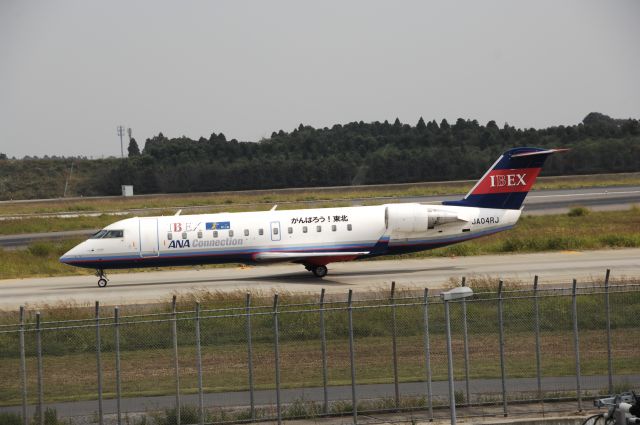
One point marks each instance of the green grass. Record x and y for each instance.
(149, 372)
(147, 351)
(593, 230)
(250, 200)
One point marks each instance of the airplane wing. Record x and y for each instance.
(275, 256)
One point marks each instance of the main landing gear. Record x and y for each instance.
(318, 271)
(102, 278)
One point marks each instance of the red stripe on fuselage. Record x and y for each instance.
(506, 181)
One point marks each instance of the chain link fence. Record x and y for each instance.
(517, 349)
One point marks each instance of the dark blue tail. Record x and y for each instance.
(508, 181)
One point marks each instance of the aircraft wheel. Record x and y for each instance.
(320, 271)
(102, 282)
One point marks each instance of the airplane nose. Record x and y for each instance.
(69, 256)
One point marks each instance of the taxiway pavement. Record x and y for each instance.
(158, 286)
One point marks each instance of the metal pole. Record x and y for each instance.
(576, 343)
(394, 331)
(40, 383)
(23, 368)
(608, 313)
(116, 318)
(354, 397)
(276, 338)
(250, 356)
(99, 364)
(536, 308)
(502, 365)
(199, 365)
(466, 345)
(427, 353)
(176, 365)
(452, 396)
(323, 339)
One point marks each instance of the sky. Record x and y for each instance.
(71, 71)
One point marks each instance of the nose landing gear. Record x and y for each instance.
(102, 278)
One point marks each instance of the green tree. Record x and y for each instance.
(421, 125)
(3, 156)
(133, 148)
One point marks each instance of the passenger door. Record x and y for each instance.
(149, 244)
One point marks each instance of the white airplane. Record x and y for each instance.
(316, 237)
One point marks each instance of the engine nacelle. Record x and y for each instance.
(415, 218)
(407, 218)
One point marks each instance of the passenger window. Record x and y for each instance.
(333, 227)
(184, 235)
(215, 233)
(318, 228)
(275, 230)
(290, 229)
(304, 229)
(349, 227)
(230, 233)
(260, 232)
(200, 235)
(246, 232)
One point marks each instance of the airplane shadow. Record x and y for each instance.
(302, 278)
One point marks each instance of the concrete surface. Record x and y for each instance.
(133, 288)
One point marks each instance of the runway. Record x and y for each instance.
(148, 287)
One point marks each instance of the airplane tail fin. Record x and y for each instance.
(507, 182)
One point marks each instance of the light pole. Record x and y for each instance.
(452, 295)
(121, 134)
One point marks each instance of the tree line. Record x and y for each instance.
(352, 154)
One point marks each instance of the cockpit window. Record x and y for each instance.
(99, 234)
(114, 234)
(108, 234)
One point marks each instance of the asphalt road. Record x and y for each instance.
(343, 392)
(361, 276)
(536, 203)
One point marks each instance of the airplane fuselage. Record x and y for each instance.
(269, 236)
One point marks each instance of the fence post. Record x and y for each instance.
(466, 345)
(536, 308)
(176, 365)
(116, 321)
(576, 343)
(608, 313)
(99, 364)
(323, 339)
(452, 394)
(23, 368)
(394, 344)
(199, 366)
(40, 383)
(250, 356)
(427, 352)
(502, 365)
(354, 397)
(276, 338)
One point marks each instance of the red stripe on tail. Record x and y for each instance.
(505, 181)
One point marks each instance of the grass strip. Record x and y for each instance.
(574, 231)
(249, 200)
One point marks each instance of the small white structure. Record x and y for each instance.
(127, 190)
